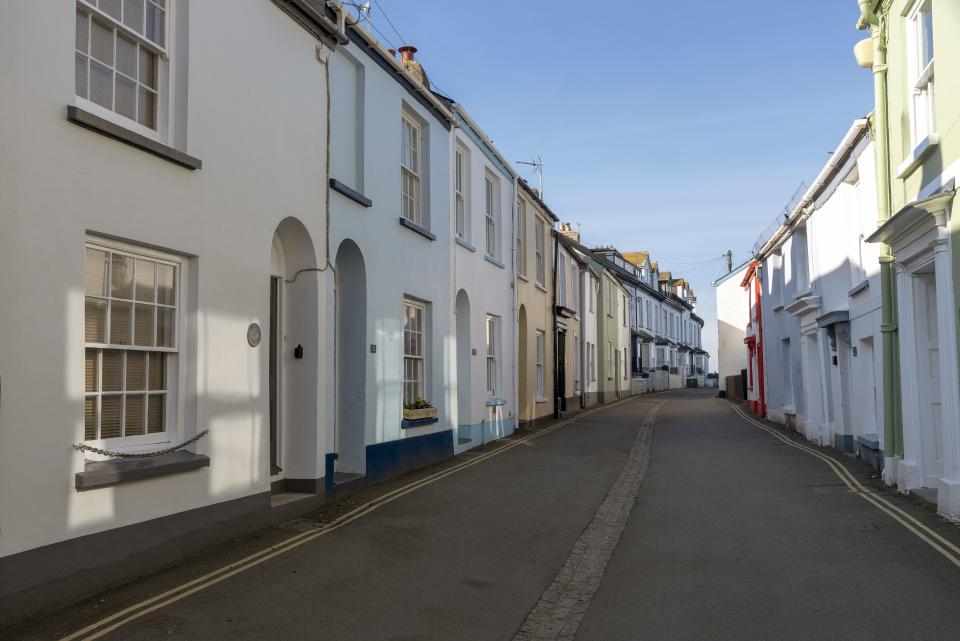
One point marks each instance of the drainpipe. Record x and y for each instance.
(515, 312)
(892, 419)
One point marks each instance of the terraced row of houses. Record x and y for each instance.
(228, 298)
(844, 324)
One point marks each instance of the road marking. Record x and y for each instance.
(97, 630)
(945, 547)
(562, 606)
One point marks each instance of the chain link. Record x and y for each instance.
(81, 447)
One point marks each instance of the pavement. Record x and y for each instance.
(664, 517)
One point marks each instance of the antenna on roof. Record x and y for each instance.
(537, 165)
(363, 10)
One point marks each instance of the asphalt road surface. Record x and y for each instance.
(667, 516)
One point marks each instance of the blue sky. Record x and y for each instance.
(681, 128)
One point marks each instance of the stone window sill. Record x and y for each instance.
(464, 244)
(109, 129)
(921, 151)
(97, 474)
(493, 261)
(350, 193)
(417, 229)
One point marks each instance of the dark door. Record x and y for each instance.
(562, 370)
(274, 379)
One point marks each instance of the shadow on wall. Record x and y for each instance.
(732, 354)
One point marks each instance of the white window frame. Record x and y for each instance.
(562, 283)
(411, 203)
(491, 210)
(609, 360)
(461, 181)
(921, 76)
(163, 53)
(625, 361)
(419, 381)
(623, 300)
(521, 237)
(576, 364)
(538, 230)
(592, 354)
(174, 361)
(593, 293)
(492, 327)
(540, 352)
(575, 280)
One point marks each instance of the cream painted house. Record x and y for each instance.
(535, 305)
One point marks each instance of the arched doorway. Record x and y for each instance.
(293, 352)
(524, 368)
(351, 360)
(464, 381)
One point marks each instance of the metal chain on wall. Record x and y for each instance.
(81, 447)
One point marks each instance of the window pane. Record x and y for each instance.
(121, 277)
(136, 370)
(110, 416)
(120, 322)
(155, 412)
(95, 272)
(148, 68)
(133, 14)
(110, 6)
(147, 108)
(90, 418)
(156, 372)
(145, 276)
(166, 285)
(90, 371)
(155, 24)
(101, 43)
(82, 31)
(127, 56)
(80, 75)
(101, 85)
(926, 25)
(95, 321)
(126, 97)
(166, 327)
(133, 415)
(143, 325)
(112, 370)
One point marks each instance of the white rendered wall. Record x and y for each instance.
(398, 262)
(263, 156)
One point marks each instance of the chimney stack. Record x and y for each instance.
(412, 66)
(567, 230)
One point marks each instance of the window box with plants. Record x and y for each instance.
(418, 413)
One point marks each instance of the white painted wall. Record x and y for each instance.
(255, 117)
(398, 261)
(488, 287)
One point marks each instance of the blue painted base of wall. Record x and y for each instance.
(404, 455)
(843, 442)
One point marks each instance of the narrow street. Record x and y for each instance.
(733, 535)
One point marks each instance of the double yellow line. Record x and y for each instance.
(110, 623)
(950, 551)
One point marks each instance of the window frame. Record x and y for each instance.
(421, 308)
(174, 359)
(491, 211)
(414, 172)
(492, 336)
(521, 237)
(921, 76)
(540, 356)
(164, 53)
(539, 251)
(461, 183)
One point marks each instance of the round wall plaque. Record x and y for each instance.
(254, 334)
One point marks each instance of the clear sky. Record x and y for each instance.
(680, 127)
